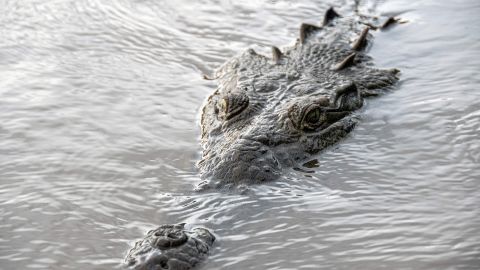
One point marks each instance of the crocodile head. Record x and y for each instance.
(271, 113)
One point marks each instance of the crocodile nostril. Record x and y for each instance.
(157, 263)
(164, 264)
(168, 238)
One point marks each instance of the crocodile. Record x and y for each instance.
(270, 113)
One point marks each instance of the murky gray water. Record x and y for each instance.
(99, 133)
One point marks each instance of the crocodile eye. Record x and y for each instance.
(222, 105)
(312, 116)
(232, 104)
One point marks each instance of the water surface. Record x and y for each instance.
(99, 109)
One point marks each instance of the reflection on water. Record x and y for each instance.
(99, 137)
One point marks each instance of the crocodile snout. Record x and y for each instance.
(246, 161)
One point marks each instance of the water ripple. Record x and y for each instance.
(99, 138)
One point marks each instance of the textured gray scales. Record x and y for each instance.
(172, 247)
(252, 124)
(269, 113)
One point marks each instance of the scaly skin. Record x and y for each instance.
(271, 113)
(170, 247)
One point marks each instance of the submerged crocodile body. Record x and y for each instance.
(271, 113)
